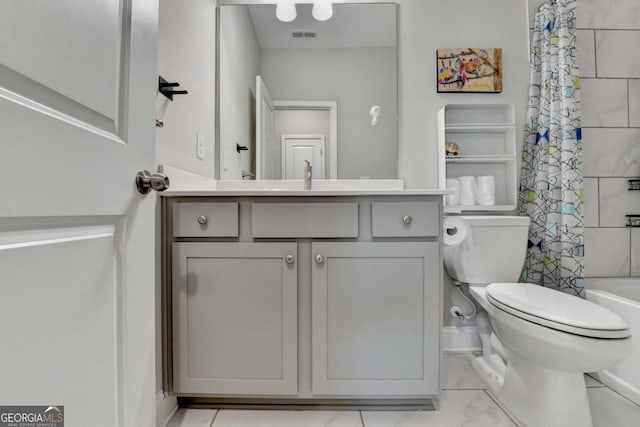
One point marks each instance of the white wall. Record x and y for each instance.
(355, 78)
(425, 26)
(301, 122)
(239, 66)
(186, 54)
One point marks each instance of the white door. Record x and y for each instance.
(77, 90)
(298, 148)
(265, 133)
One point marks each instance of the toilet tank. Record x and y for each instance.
(494, 250)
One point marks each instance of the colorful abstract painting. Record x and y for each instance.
(470, 69)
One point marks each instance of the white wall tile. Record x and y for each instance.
(614, 14)
(611, 152)
(634, 102)
(616, 201)
(591, 210)
(607, 252)
(604, 103)
(617, 53)
(586, 53)
(635, 252)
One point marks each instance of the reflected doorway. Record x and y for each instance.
(296, 149)
(310, 119)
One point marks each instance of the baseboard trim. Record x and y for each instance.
(166, 408)
(460, 339)
(399, 404)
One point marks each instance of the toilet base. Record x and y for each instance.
(488, 374)
(543, 381)
(540, 397)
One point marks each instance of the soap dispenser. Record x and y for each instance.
(307, 175)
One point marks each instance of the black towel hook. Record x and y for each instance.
(164, 87)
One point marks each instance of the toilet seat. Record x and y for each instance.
(557, 310)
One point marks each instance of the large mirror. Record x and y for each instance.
(321, 91)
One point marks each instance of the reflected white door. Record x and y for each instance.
(298, 148)
(77, 90)
(265, 133)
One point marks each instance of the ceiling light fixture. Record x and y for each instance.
(286, 10)
(322, 10)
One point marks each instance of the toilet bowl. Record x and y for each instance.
(537, 342)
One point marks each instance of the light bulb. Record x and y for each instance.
(286, 10)
(322, 10)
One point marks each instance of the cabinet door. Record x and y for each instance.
(376, 319)
(235, 318)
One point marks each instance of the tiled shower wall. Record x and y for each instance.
(609, 53)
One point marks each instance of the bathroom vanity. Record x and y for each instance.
(303, 297)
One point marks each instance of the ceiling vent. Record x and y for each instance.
(300, 35)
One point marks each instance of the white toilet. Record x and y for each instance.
(537, 342)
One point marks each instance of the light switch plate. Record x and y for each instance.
(200, 146)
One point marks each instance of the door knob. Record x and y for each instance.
(145, 182)
(290, 259)
(319, 259)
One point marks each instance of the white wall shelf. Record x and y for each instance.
(485, 135)
(482, 159)
(479, 127)
(478, 208)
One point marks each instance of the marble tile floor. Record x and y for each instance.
(464, 403)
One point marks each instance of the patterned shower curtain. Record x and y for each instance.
(551, 186)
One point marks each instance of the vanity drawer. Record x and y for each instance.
(274, 220)
(405, 219)
(205, 220)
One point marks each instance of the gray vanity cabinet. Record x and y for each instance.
(235, 318)
(304, 299)
(373, 306)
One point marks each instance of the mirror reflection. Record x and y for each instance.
(321, 91)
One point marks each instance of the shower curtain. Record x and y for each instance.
(551, 186)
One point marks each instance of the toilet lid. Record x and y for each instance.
(557, 310)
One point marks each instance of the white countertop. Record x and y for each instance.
(185, 183)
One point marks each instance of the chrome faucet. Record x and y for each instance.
(307, 175)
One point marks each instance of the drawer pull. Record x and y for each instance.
(407, 219)
(319, 259)
(290, 259)
(202, 220)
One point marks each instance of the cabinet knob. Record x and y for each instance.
(202, 220)
(290, 259)
(319, 258)
(407, 219)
